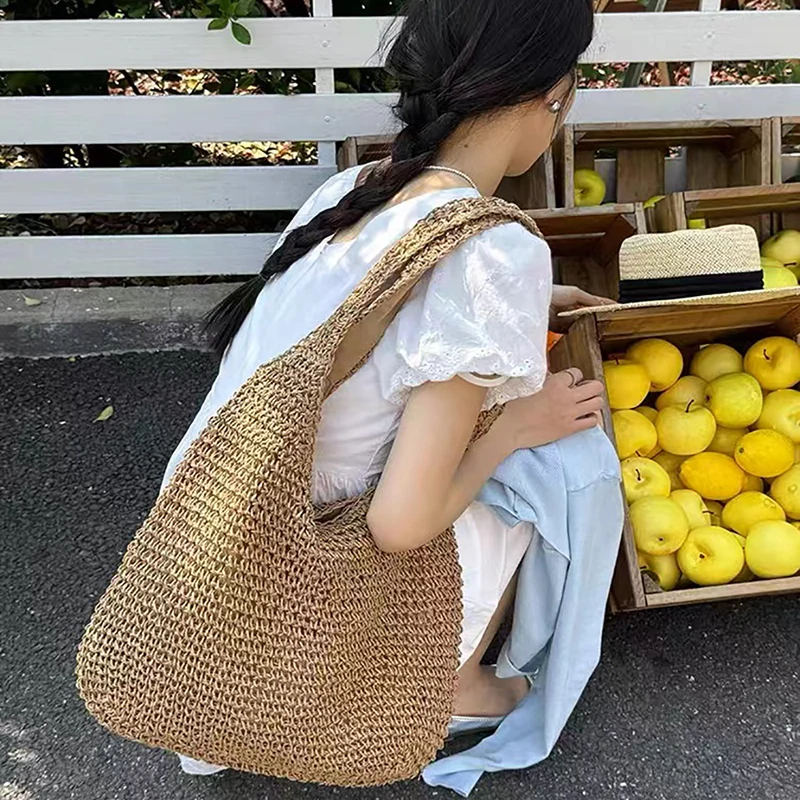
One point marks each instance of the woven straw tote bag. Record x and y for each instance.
(249, 628)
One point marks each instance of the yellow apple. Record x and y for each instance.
(710, 556)
(778, 278)
(744, 510)
(725, 439)
(590, 188)
(627, 383)
(633, 433)
(693, 506)
(652, 201)
(688, 389)
(764, 453)
(661, 359)
(659, 525)
(774, 362)
(685, 431)
(714, 512)
(771, 262)
(752, 483)
(643, 477)
(652, 415)
(785, 491)
(781, 412)
(715, 360)
(663, 568)
(699, 223)
(713, 476)
(745, 574)
(671, 463)
(773, 549)
(735, 400)
(784, 247)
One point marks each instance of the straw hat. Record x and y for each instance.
(709, 266)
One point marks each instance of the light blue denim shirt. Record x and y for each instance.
(570, 490)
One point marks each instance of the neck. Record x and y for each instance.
(480, 149)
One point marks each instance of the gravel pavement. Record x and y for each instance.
(699, 703)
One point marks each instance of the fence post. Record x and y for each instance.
(701, 70)
(324, 84)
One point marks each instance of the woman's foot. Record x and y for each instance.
(482, 694)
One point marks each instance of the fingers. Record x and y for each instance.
(579, 297)
(569, 377)
(584, 423)
(589, 406)
(588, 389)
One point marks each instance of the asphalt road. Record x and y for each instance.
(698, 703)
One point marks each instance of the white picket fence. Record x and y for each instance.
(323, 43)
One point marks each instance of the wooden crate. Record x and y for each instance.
(786, 158)
(596, 336)
(585, 243)
(768, 209)
(717, 154)
(535, 189)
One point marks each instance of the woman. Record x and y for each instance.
(484, 87)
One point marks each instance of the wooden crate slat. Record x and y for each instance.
(716, 203)
(731, 591)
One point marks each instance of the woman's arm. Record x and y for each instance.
(432, 474)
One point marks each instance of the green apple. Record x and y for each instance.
(693, 506)
(781, 413)
(688, 389)
(773, 549)
(715, 360)
(685, 431)
(783, 247)
(735, 399)
(778, 277)
(663, 568)
(590, 188)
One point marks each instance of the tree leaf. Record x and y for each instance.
(244, 7)
(31, 301)
(218, 24)
(240, 33)
(105, 414)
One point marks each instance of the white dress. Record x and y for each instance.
(483, 310)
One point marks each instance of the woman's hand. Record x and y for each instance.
(565, 405)
(570, 298)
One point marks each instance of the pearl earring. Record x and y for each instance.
(554, 107)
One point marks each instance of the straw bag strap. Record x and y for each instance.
(371, 307)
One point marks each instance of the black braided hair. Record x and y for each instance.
(453, 60)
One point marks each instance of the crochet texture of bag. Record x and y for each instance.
(249, 628)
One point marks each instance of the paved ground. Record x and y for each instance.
(693, 704)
